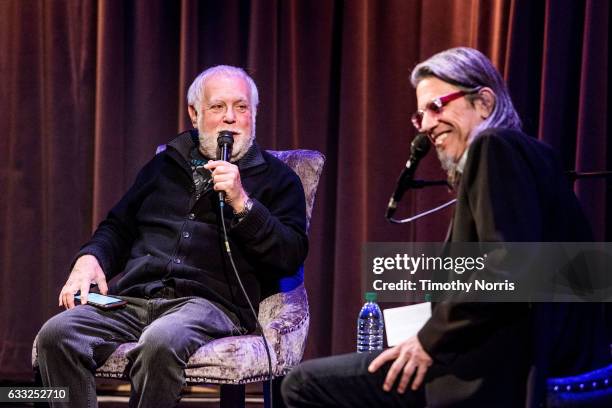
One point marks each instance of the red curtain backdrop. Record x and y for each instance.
(90, 88)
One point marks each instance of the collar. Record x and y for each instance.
(462, 160)
(252, 158)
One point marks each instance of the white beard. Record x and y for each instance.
(209, 146)
(447, 163)
(450, 166)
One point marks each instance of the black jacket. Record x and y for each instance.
(512, 190)
(160, 233)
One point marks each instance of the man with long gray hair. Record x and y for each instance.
(164, 238)
(509, 189)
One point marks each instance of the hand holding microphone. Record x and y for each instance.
(418, 149)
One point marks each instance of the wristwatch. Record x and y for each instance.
(247, 208)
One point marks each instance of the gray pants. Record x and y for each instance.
(72, 344)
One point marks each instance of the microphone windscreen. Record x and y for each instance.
(420, 146)
(225, 138)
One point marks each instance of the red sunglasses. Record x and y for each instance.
(436, 106)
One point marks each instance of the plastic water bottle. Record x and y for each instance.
(370, 326)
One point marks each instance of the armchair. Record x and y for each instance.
(233, 362)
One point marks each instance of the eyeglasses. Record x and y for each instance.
(436, 106)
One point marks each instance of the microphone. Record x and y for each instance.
(418, 149)
(225, 142)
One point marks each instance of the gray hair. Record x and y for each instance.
(469, 70)
(196, 89)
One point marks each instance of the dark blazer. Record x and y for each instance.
(511, 190)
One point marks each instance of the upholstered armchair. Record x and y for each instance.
(233, 362)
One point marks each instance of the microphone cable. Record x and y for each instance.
(422, 214)
(246, 296)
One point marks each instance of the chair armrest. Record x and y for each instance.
(285, 320)
(284, 312)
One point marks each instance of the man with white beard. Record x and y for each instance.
(163, 236)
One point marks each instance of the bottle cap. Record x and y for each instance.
(370, 296)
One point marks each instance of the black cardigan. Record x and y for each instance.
(160, 234)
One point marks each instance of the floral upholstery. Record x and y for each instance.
(284, 317)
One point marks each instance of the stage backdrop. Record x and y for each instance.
(89, 88)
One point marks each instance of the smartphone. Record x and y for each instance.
(103, 301)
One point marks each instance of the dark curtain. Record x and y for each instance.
(90, 88)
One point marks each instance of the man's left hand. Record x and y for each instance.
(410, 358)
(226, 177)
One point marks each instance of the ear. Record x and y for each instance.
(485, 102)
(193, 115)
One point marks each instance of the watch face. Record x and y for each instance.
(247, 207)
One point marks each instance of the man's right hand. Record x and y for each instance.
(409, 358)
(86, 271)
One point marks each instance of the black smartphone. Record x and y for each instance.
(103, 301)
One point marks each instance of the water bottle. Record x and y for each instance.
(370, 326)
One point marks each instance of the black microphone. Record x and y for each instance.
(418, 149)
(225, 141)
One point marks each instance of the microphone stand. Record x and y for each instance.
(415, 184)
(579, 175)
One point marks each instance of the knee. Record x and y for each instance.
(291, 387)
(52, 335)
(154, 349)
